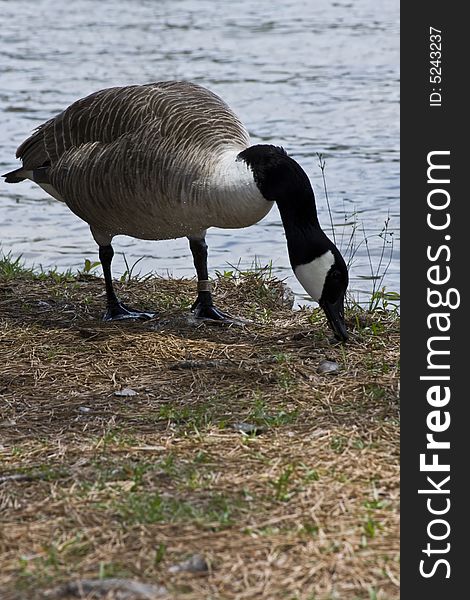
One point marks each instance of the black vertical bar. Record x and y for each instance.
(435, 260)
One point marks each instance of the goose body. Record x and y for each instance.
(153, 161)
(171, 159)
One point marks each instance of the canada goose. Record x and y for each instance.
(171, 159)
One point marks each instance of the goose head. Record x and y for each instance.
(316, 261)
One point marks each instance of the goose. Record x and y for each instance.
(170, 159)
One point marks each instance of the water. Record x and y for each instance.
(315, 76)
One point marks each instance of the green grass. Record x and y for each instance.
(263, 414)
(192, 418)
(107, 570)
(375, 391)
(370, 527)
(218, 510)
(283, 485)
(380, 299)
(13, 268)
(293, 478)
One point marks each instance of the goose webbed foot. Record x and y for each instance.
(205, 311)
(121, 312)
(209, 312)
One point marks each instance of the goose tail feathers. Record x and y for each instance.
(15, 176)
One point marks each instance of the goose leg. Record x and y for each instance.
(204, 307)
(116, 310)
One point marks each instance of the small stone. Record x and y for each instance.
(121, 589)
(248, 428)
(84, 409)
(328, 366)
(195, 564)
(125, 392)
(42, 304)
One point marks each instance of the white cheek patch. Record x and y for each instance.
(312, 275)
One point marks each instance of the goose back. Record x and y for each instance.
(146, 161)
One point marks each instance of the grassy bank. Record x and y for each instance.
(123, 455)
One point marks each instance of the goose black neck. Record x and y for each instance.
(305, 238)
(282, 180)
(298, 213)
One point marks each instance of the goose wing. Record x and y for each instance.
(137, 159)
(175, 111)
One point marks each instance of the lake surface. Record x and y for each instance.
(314, 76)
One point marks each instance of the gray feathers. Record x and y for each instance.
(139, 159)
(174, 109)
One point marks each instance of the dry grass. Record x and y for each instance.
(95, 485)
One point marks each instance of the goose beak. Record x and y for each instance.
(335, 314)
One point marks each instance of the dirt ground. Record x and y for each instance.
(204, 461)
